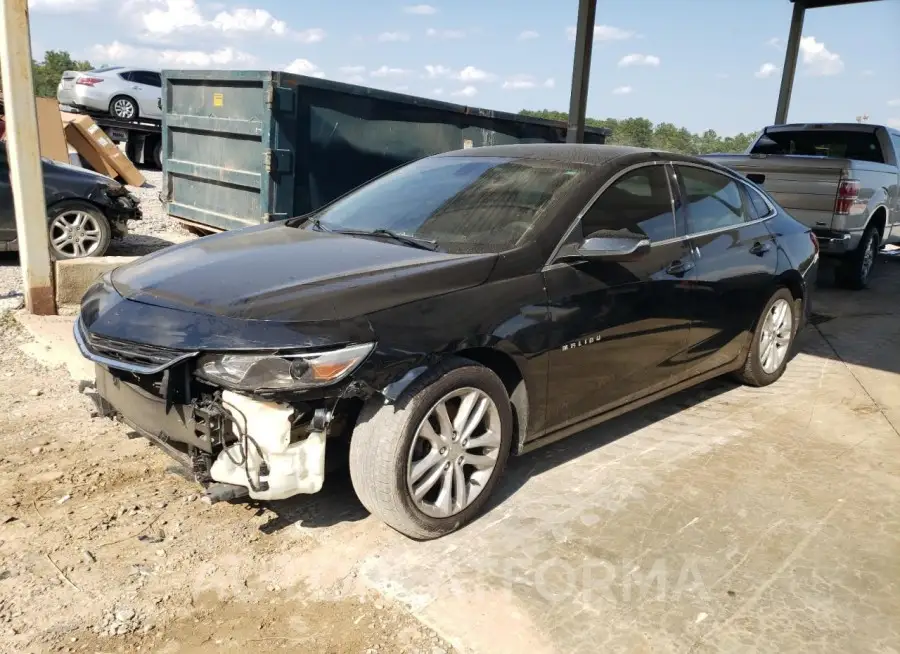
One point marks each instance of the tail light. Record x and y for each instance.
(848, 193)
(88, 81)
(815, 241)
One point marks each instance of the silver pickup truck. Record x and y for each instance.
(841, 179)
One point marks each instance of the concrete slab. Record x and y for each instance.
(723, 519)
(74, 276)
(54, 345)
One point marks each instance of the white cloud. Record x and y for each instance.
(520, 83)
(304, 67)
(386, 71)
(622, 90)
(868, 73)
(438, 92)
(120, 53)
(604, 33)
(392, 37)
(400, 89)
(466, 92)
(894, 103)
(352, 70)
(766, 70)
(312, 35)
(420, 10)
(549, 83)
(472, 74)
(248, 20)
(437, 71)
(200, 59)
(174, 16)
(817, 59)
(528, 34)
(62, 6)
(639, 60)
(445, 34)
(163, 18)
(775, 42)
(894, 122)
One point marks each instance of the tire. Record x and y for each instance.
(123, 107)
(386, 443)
(754, 372)
(856, 271)
(63, 220)
(157, 154)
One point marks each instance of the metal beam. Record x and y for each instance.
(25, 157)
(581, 70)
(790, 63)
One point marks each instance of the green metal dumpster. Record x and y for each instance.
(246, 147)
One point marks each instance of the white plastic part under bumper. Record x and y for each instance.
(291, 468)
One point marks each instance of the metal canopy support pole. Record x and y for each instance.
(581, 70)
(790, 63)
(25, 157)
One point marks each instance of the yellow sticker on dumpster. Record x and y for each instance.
(218, 99)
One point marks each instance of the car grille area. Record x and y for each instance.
(126, 355)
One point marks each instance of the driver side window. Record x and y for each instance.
(638, 202)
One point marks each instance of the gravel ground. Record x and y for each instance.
(154, 231)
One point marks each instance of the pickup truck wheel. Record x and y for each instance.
(77, 229)
(772, 341)
(427, 464)
(856, 271)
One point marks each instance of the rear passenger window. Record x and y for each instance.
(639, 202)
(713, 200)
(758, 207)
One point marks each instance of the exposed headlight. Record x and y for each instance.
(267, 372)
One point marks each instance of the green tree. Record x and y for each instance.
(641, 132)
(48, 72)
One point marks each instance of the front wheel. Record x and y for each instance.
(772, 341)
(77, 229)
(427, 464)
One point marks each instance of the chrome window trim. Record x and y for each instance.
(590, 203)
(121, 365)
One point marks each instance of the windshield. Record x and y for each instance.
(832, 143)
(466, 205)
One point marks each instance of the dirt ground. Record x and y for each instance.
(103, 551)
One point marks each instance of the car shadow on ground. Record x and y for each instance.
(136, 245)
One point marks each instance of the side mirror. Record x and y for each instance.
(611, 246)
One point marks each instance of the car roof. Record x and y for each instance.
(566, 152)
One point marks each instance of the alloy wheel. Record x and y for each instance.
(454, 452)
(123, 108)
(868, 260)
(775, 340)
(75, 234)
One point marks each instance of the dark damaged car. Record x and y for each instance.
(460, 308)
(85, 210)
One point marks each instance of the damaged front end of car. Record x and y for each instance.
(243, 422)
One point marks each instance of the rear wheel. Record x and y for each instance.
(123, 107)
(427, 464)
(772, 341)
(856, 271)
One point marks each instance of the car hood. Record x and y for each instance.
(281, 273)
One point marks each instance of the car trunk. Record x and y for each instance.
(806, 186)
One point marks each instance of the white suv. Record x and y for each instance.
(126, 93)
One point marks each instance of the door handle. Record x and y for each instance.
(760, 249)
(679, 267)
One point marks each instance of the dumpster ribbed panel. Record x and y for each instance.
(246, 147)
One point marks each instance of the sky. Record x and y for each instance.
(700, 64)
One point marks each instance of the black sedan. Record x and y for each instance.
(464, 306)
(85, 210)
